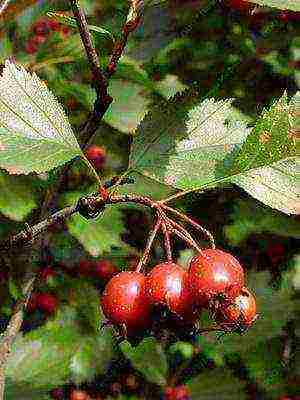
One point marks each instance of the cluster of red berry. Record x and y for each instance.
(214, 280)
(42, 30)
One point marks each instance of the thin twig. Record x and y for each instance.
(186, 239)
(147, 250)
(133, 21)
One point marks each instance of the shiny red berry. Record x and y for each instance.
(215, 275)
(239, 315)
(47, 302)
(124, 302)
(96, 155)
(167, 284)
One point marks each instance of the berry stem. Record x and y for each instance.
(167, 242)
(191, 222)
(147, 250)
(90, 166)
(186, 238)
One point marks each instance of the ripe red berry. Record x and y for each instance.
(31, 47)
(104, 270)
(177, 393)
(239, 315)
(96, 155)
(32, 304)
(38, 39)
(167, 284)
(85, 267)
(215, 275)
(41, 27)
(124, 302)
(47, 302)
(79, 395)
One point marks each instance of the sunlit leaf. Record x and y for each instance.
(293, 5)
(35, 134)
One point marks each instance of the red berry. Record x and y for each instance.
(215, 275)
(31, 47)
(104, 270)
(239, 315)
(241, 5)
(41, 27)
(177, 393)
(167, 285)
(57, 394)
(85, 267)
(54, 25)
(79, 395)
(39, 39)
(47, 273)
(96, 155)
(124, 303)
(47, 302)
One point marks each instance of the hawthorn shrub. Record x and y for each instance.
(149, 200)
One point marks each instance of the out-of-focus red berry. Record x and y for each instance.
(240, 5)
(39, 39)
(65, 30)
(47, 302)
(54, 25)
(47, 273)
(276, 252)
(177, 393)
(79, 395)
(105, 270)
(85, 268)
(57, 394)
(31, 47)
(41, 27)
(96, 155)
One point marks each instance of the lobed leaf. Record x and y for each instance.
(293, 5)
(35, 134)
(209, 144)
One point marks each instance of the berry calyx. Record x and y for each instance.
(167, 285)
(215, 275)
(96, 155)
(239, 315)
(124, 302)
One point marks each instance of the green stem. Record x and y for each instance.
(91, 168)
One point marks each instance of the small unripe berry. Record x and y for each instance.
(96, 155)
(124, 303)
(215, 275)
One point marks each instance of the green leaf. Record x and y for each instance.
(249, 218)
(17, 196)
(276, 185)
(211, 144)
(129, 106)
(96, 235)
(35, 135)
(281, 4)
(70, 21)
(217, 384)
(149, 359)
(57, 352)
(183, 147)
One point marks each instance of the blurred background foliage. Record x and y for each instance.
(179, 43)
